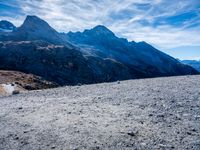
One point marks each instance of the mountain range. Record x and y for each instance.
(92, 56)
(193, 63)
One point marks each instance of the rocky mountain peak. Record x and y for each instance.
(35, 22)
(6, 25)
(35, 28)
(100, 30)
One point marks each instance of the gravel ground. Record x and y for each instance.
(160, 113)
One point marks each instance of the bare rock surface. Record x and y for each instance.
(160, 113)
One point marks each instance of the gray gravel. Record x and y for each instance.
(160, 113)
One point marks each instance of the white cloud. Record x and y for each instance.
(77, 15)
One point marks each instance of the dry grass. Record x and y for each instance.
(2, 91)
(26, 81)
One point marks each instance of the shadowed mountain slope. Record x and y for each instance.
(141, 56)
(59, 63)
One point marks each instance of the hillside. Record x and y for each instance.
(159, 113)
(59, 64)
(15, 80)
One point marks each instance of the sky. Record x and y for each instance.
(172, 26)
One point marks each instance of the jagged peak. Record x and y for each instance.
(100, 29)
(34, 20)
(103, 29)
(32, 17)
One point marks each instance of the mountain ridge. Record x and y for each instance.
(92, 56)
(130, 53)
(6, 26)
(34, 28)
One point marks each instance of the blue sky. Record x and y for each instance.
(170, 25)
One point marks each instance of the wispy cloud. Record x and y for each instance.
(163, 23)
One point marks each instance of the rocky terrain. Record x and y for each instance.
(159, 113)
(14, 80)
